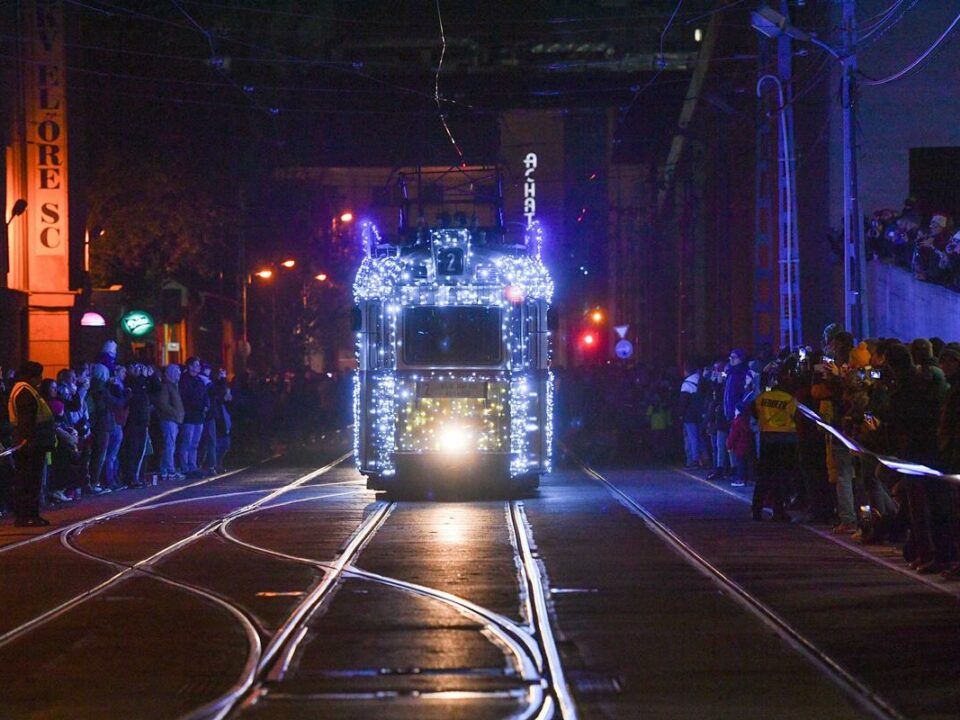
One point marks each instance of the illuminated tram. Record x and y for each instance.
(453, 383)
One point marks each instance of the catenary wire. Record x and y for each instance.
(903, 72)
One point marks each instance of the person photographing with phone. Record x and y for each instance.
(829, 378)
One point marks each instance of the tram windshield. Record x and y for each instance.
(451, 336)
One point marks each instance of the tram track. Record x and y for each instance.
(532, 647)
(860, 693)
(125, 571)
(529, 646)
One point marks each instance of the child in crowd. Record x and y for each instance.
(741, 443)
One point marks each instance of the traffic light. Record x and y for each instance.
(588, 340)
(596, 316)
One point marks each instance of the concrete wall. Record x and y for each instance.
(905, 308)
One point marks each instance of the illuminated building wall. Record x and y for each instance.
(36, 162)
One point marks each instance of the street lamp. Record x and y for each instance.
(18, 209)
(771, 23)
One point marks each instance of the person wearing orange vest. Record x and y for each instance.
(776, 411)
(28, 411)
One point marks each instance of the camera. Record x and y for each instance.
(874, 374)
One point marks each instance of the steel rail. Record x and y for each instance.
(284, 651)
(862, 694)
(116, 512)
(516, 639)
(541, 615)
(148, 562)
(948, 589)
(246, 621)
(220, 496)
(279, 652)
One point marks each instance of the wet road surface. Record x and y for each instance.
(288, 590)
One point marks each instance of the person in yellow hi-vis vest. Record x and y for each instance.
(33, 425)
(776, 411)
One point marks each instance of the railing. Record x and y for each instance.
(11, 451)
(900, 466)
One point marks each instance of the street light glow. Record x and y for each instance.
(289, 263)
(265, 274)
(346, 217)
(322, 277)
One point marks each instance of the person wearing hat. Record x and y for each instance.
(930, 261)
(829, 333)
(950, 363)
(860, 356)
(108, 356)
(30, 415)
(735, 389)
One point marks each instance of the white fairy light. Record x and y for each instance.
(398, 419)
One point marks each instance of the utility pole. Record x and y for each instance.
(854, 297)
(788, 262)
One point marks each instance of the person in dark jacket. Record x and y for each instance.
(27, 412)
(169, 414)
(108, 356)
(104, 398)
(220, 400)
(690, 409)
(193, 394)
(910, 417)
(142, 384)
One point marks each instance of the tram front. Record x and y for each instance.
(453, 385)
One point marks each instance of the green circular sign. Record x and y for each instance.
(137, 323)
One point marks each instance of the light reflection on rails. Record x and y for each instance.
(862, 694)
(145, 568)
(532, 647)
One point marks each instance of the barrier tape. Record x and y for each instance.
(896, 464)
(11, 451)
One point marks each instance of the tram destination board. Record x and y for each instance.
(452, 389)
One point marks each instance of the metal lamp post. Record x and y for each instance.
(771, 23)
(19, 207)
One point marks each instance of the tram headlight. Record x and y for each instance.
(513, 293)
(454, 440)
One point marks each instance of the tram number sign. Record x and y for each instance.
(450, 261)
(452, 390)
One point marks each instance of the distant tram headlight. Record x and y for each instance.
(454, 440)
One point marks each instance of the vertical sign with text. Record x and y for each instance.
(529, 188)
(46, 136)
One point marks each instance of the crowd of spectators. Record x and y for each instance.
(120, 426)
(931, 250)
(740, 419)
(612, 414)
(885, 398)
